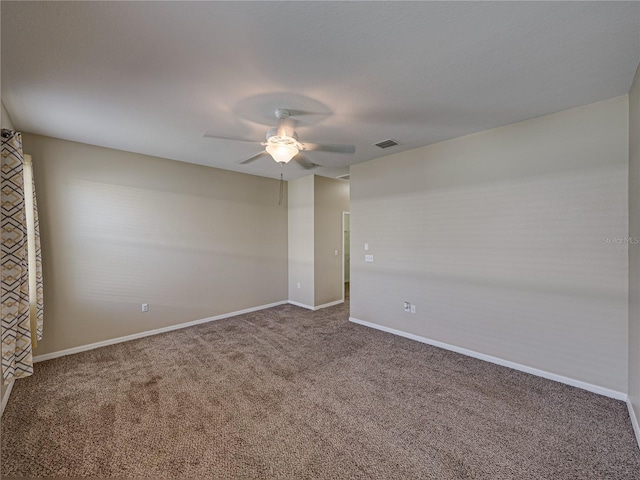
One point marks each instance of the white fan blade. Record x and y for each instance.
(233, 139)
(255, 157)
(315, 147)
(302, 113)
(304, 162)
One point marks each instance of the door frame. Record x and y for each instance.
(344, 213)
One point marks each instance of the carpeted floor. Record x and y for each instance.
(293, 394)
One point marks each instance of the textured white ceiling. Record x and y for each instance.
(153, 77)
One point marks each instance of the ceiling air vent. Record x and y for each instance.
(387, 143)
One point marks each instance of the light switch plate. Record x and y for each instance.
(368, 258)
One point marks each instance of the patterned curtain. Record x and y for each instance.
(19, 232)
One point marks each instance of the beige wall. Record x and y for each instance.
(6, 119)
(331, 199)
(634, 248)
(120, 229)
(301, 240)
(498, 238)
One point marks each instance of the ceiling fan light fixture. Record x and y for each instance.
(283, 146)
(282, 152)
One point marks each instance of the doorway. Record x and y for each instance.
(346, 260)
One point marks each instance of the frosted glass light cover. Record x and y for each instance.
(282, 153)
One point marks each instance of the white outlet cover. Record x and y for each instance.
(413, 309)
(366, 247)
(368, 258)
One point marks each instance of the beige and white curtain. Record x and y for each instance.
(21, 279)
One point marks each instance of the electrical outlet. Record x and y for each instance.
(368, 258)
(145, 307)
(298, 284)
(413, 309)
(407, 307)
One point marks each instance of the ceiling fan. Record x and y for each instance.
(283, 145)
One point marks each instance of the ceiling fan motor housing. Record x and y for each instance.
(273, 137)
(282, 113)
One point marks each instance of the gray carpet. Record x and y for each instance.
(292, 394)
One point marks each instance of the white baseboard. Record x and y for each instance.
(330, 304)
(634, 421)
(309, 307)
(112, 341)
(5, 397)
(302, 305)
(499, 361)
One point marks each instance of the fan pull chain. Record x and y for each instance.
(281, 185)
